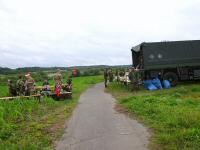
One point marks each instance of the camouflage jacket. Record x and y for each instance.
(58, 78)
(20, 84)
(30, 83)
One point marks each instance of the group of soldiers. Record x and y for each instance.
(27, 87)
(22, 87)
(132, 75)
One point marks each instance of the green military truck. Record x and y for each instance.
(173, 60)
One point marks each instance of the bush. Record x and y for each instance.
(40, 76)
(91, 72)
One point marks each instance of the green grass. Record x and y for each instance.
(28, 124)
(173, 115)
(3, 91)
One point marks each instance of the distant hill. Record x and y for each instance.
(4, 70)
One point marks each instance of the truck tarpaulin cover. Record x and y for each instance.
(167, 54)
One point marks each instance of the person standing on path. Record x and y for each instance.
(105, 77)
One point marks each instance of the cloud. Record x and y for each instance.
(89, 32)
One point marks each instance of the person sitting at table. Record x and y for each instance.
(69, 84)
(46, 90)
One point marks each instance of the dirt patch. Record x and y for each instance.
(56, 130)
(56, 127)
(119, 108)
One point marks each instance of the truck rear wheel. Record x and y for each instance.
(172, 77)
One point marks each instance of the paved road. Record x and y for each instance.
(95, 125)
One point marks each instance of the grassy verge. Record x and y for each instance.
(173, 115)
(28, 124)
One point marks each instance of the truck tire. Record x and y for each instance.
(172, 77)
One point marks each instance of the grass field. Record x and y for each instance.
(173, 115)
(3, 90)
(30, 125)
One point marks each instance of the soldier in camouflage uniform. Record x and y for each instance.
(11, 88)
(117, 75)
(121, 73)
(29, 85)
(20, 86)
(111, 77)
(58, 78)
(137, 78)
(134, 77)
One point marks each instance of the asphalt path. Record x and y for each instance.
(96, 125)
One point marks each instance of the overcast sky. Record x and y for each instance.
(89, 32)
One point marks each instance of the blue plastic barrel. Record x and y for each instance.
(166, 84)
(152, 87)
(156, 82)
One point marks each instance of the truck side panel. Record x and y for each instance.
(171, 54)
